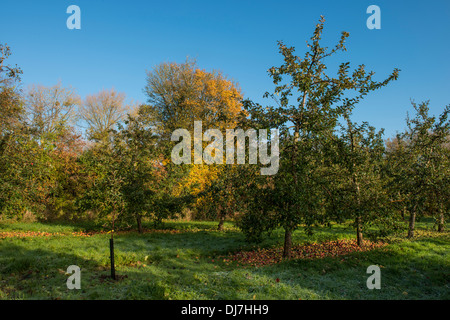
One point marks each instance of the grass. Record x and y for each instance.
(187, 262)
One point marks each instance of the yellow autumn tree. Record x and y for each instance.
(181, 93)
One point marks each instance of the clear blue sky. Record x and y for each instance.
(120, 40)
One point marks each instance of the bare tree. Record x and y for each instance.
(102, 111)
(48, 109)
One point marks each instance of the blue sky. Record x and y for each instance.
(120, 40)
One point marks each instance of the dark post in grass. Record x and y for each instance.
(111, 254)
(111, 249)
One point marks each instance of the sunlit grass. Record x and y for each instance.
(189, 265)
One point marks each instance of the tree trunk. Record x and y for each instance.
(359, 235)
(441, 219)
(412, 222)
(287, 244)
(221, 222)
(288, 230)
(139, 222)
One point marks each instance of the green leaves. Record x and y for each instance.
(316, 163)
(419, 163)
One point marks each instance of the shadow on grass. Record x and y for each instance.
(183, 266)
(40, 273)
(412, 270)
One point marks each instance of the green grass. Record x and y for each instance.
(185, 265)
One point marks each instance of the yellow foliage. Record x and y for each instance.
(200, 176)
(183, 93)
